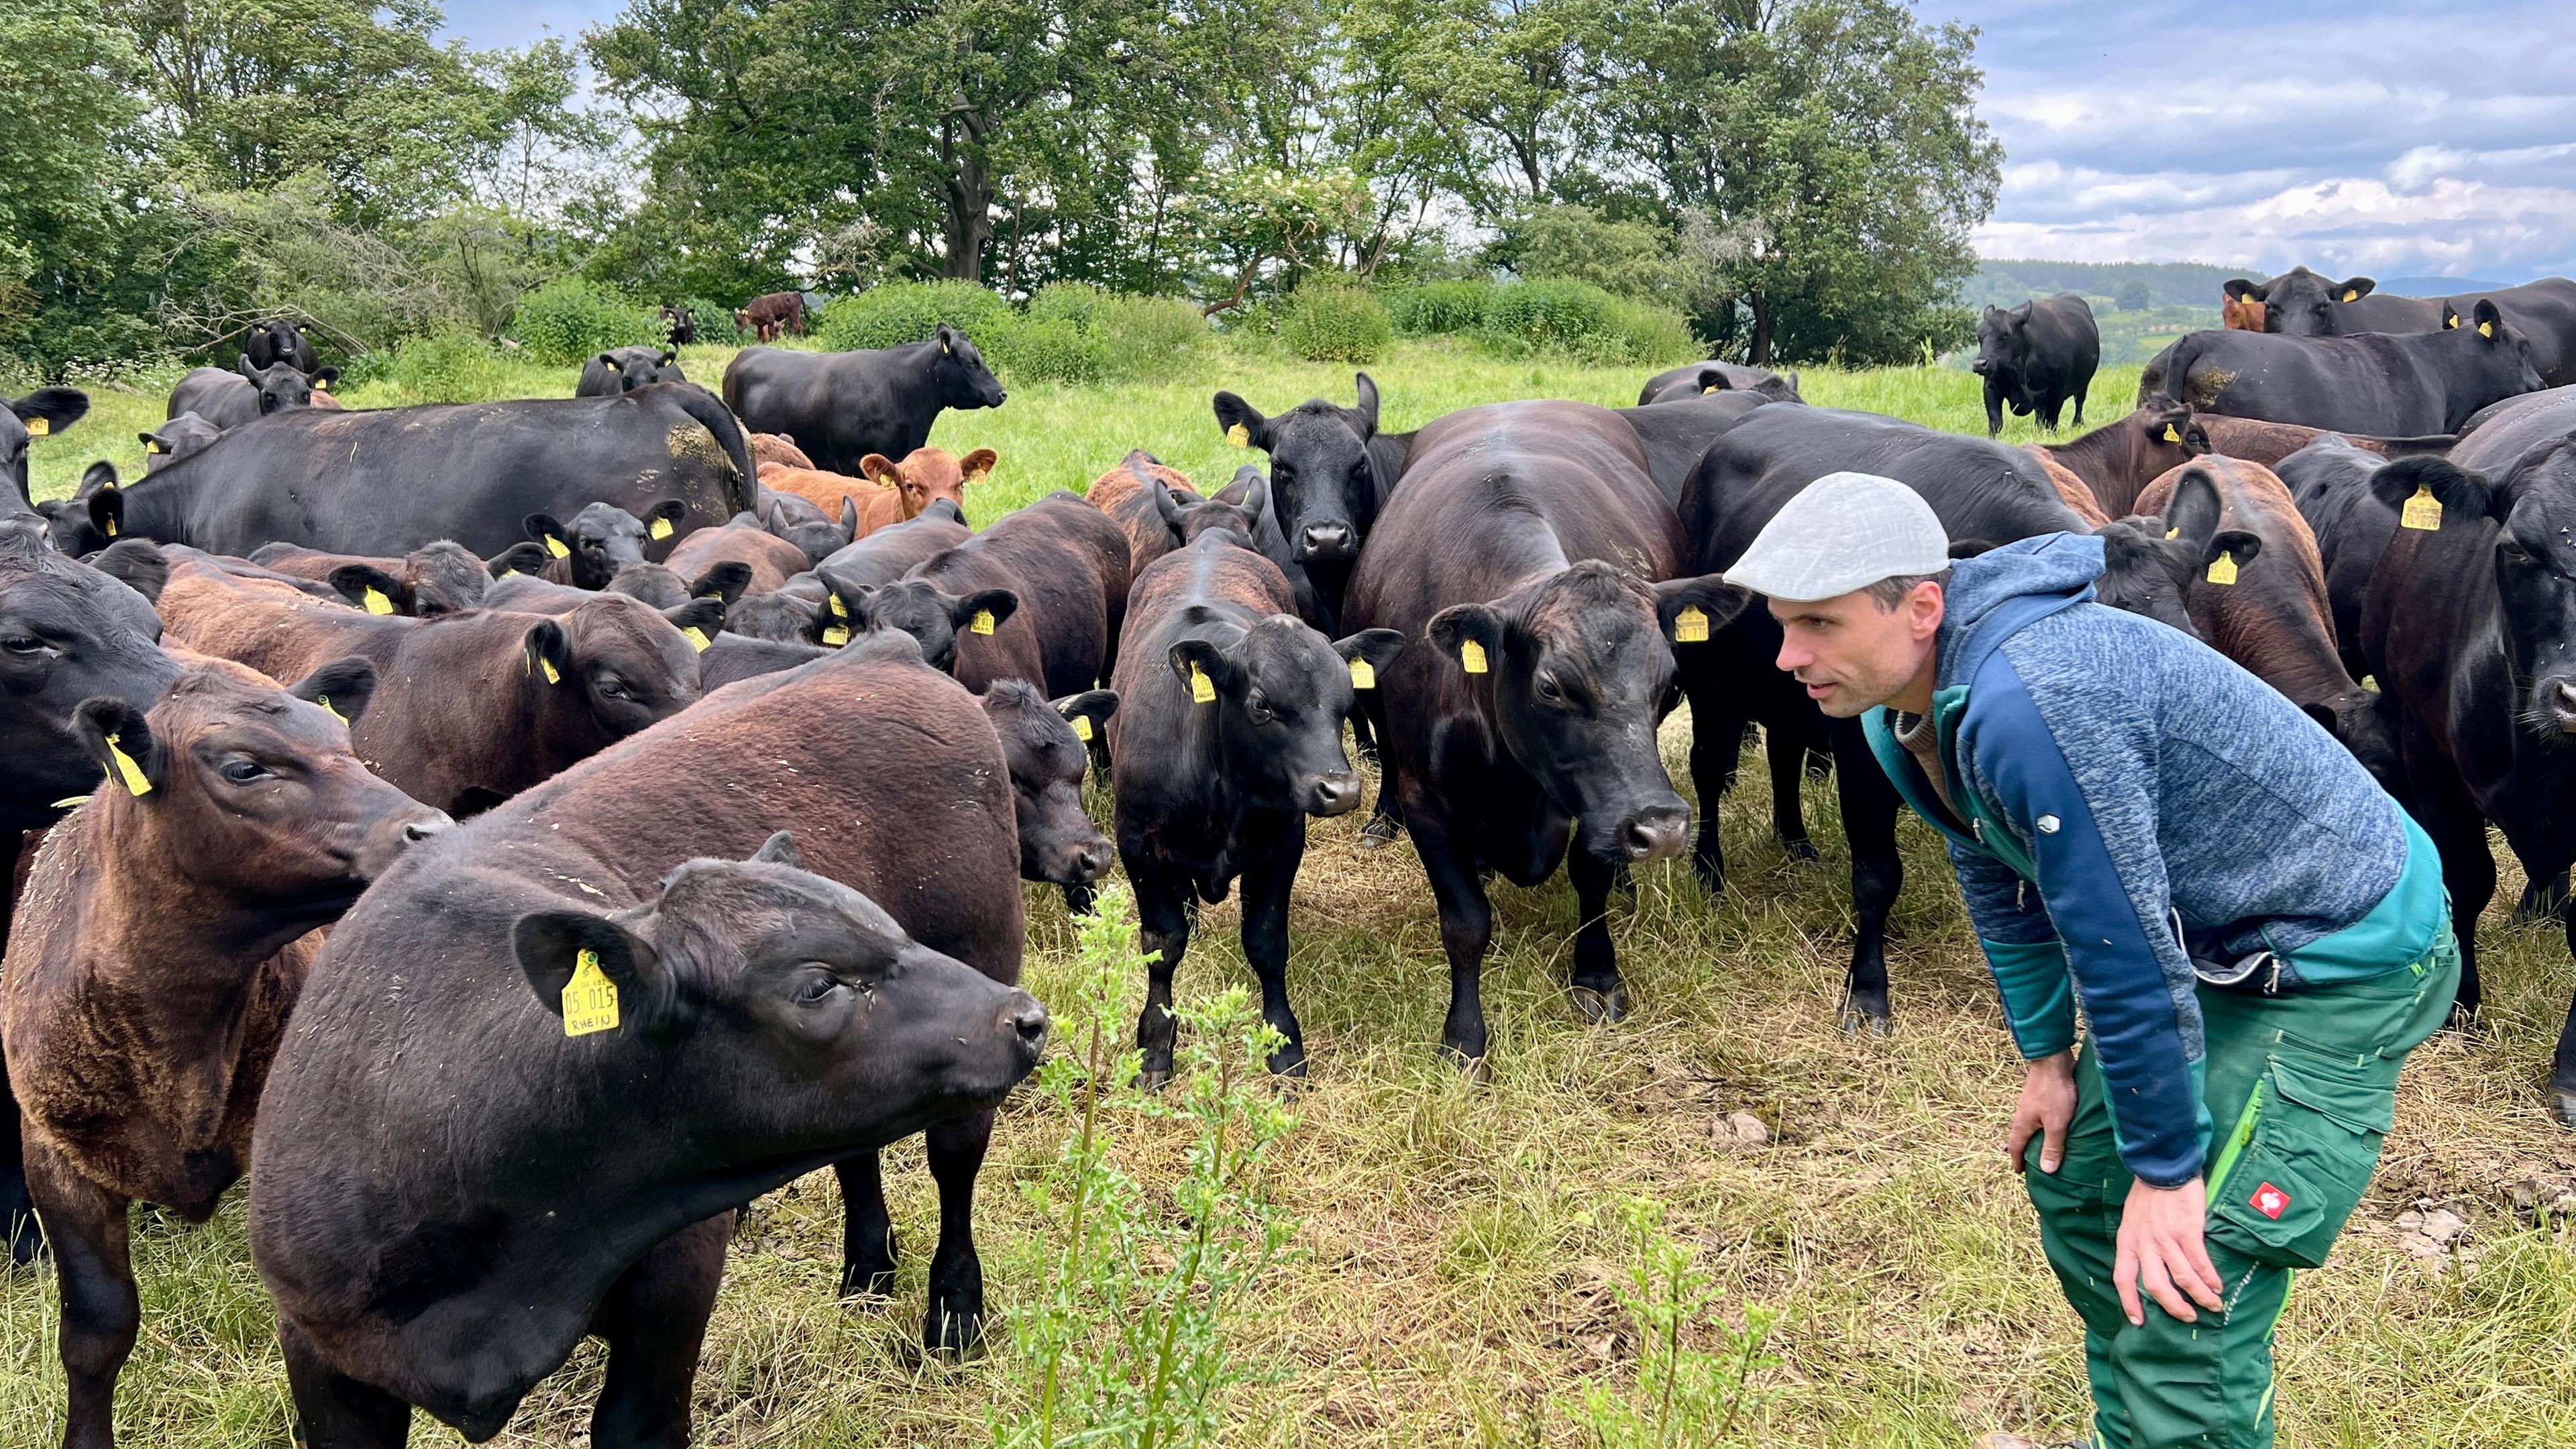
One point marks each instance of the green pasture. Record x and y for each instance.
(1451, 1280)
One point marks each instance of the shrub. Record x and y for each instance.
(1581, 320)
(1334, 321)
(1150, 337)
(1439, 308)
(569, 318)
(901, 312)
(449, 365)
(1044, 349)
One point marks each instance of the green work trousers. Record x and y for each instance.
(2301, 1088)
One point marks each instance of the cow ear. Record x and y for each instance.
(136, 563)
(1000, 603)
(700, 620)
(57, 407)
(2450, 316)
(2233, 543)
(551, 945)
(1367, 407)
(723, 582)
(2020, 315)
(669, 357)
(2461, 492)
(547, 530)
(373, 589)
(107, 511)
(342, 686)
(323, 377)
(1455, 628)
(549, 651)
(1970, 547)
(947, 340)
(100, 474)
(2239, 290)
(1717, 601)
(518, 558)
(2489, 319)
(1095, 705)
(1254, 495)
(121, 742)
(662, 522)
(1194, 659)
(778, 849)
(2191, 514)
(1376, 648)
(2353, 289)
(850, 520)
(878, 468)
(1712, 380)
(1165, 505)
(1241, 422)
(979, 464)
(244, 367)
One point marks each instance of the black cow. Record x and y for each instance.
(1331, 470)
(45, 411)
(230, 399)
(2329, 481)
(2301, 303)
(383, 481)
(1980, 490)
(604, 540)
(2379, 383)
(1048, 748)
(2470, 627)
(842, 406)
(278, 340)
(1228, 738)
(624, 369)
(1520, 559)
(1714, 376)
(2036, 356)
(175, 439)
(680, 325)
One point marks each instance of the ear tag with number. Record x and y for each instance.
(697, 638)
(1082, 728)
(2172, 433)
(151, 445)
(839, 609)
(128, 771)
(983, 622)
(1239, 435)
(2351, 294)
(1690, 626)
(1202, 689)
(2175, 532)
(558, 547)
(39, 427)
(376, 601)
(661, 528)
(1707, 390)
(2486, 329)
(2422, 511)
(1363, 674)
(835, 636)
(111, 527)
(1471, 656)
(2222, 569)
(589, 998)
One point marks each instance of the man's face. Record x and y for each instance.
(1851, 652)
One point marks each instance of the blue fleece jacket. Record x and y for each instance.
(2107, 769)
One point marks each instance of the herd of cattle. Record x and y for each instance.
(752, 740)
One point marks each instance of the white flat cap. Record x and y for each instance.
(1844, 531)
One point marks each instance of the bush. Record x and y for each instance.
(1044, 349)
(449, 365)
(1437, 309)
(1150, 337)
(569, 318)
(902, 312)
(1581, 320)
(1334, 321)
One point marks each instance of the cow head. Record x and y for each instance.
(282, 386)
(89, 520)
(436, 579)
(813, 532)
(2362, 721)
(253, 792)
(45, 411)
(959, 377)
(929, 474)
(275, 340)
(912, 606)
(782, 615)
(1046, 755)
(1282, 691)
(2166, 435)
(634, 367)
(604, 539)
(1575, 674)
(1193, 518)
(796, 1016)
(620, 662)
(1322, 487)
(528, 558)
(175, 439)
(776, 448)
(2150, 565)
(2498, 361)
(2300, 303)
(2240, 314)
(2003, 351)
(68, 632)
(2528, 515)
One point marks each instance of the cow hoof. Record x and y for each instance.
(1801, 851)
(1857, 1021)
(1602, 1008)
(1379, 832)
(1475, 1071)
(951, 1334)
(863, 1283)
(1152, 1080)
(1289, 1061)
(2567, 1109)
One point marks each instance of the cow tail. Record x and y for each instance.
(718, 419)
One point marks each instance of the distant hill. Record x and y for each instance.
(2169, 284)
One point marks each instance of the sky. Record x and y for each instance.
(2374, 138)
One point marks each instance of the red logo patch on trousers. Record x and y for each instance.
(2270, 1201)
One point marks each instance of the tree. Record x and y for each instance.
(1495, 90)
(2133, 296)
(1831, 154)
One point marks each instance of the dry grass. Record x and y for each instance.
(1450, 1285)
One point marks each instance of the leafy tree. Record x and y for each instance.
(1629, 258)
(1494, 92)
(66, 181)
(2133, 296)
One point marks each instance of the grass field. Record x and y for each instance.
(1450, 1282)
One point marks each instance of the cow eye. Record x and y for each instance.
(245, 772)
(614, 687)
(1548, 690)
(816, 987)
(1257, 707)
(23, 644)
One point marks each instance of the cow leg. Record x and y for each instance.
(1870, 806)
(17, 1210)
(1466, 929)
(1598, 992)
(1717, 742)
(1163, 930)
(1386, 819)
(655, 1321)
(2081, 388)
(1266, 880)
(954, 1323)
(2459, 832)
(2543, 898)
(333, 1410)
(867, 1228)
(86, 1224)
(1787, 753)
(2562, 1076)
(1994, 409)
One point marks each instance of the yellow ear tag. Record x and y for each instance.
(983, 622)
(2486, 329)
(507, 574)
(2222, 569)
(1706, 390)
(111, 528)
(661, 528)
(839, 609)
(978, 476)
(2422, 511)
(697, 637)
(2172, 433)
(835, 636)
(1202, 689)
(128, 771)
(71, 803)
(377, 603)
(2351, 294)
(321, 384)
(39, 427)
(557, 547)
(1239, 435)
(610, 363)
(1690, 626)
(2173, 533)
(2451, 321)
(151, 446)
(325, 702)
(1363, 674)
(1082, 728)
(589, 998)
(549, 666)
(1471, 656)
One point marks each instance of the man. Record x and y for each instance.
(2257, 935)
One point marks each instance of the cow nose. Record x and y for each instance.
(1090, 863)
(1327, 539)
(2563, 700)
(1656, 833)
(435, 822)
(1026, 1021)
(1334, 794)
(1978, 367)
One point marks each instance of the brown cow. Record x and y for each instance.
(890, 492)
(2243, 314)
(770, 315)
(2077, 493)
(475, 707)
(776, 448)
(772, 560)
(155, 955)
(438, 578)
(1126, 494)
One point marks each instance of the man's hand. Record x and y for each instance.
(2160, 1245)
(2047, 1106)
